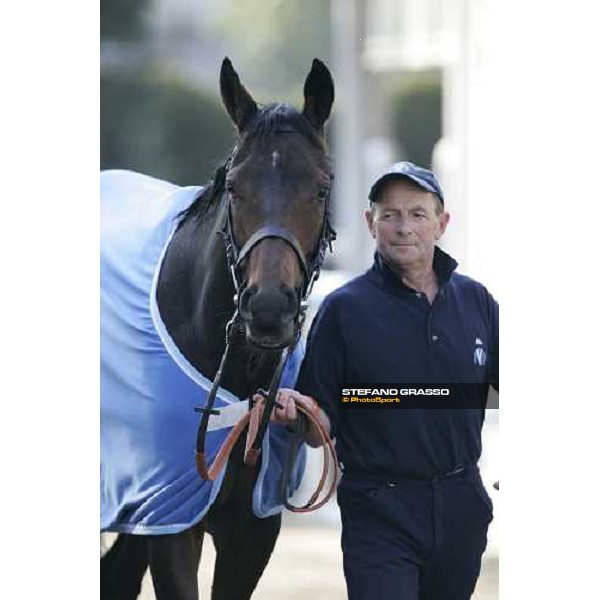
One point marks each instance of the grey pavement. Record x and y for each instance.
(307, 565)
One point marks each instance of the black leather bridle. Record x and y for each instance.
(235, 259)
(310, 270)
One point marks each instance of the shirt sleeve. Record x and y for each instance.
(494, 375)
(322, 370)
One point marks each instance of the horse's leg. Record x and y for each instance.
(243, 542)
(122, 568)
(174, 561)
(242, 558)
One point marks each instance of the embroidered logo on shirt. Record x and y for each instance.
(479, 356)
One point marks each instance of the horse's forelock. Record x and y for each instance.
(281, 118)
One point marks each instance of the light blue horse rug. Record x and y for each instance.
(148, 478)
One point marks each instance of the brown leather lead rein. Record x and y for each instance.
(254, 439)
(306, 418)
(257, 422)
(252, 419)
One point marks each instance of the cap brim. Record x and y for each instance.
(376, 187)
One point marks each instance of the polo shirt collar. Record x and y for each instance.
(443, 265)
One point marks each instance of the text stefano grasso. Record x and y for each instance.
(397, 392)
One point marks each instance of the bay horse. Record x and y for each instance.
(269, 198)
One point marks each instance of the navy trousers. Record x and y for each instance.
(414, 539)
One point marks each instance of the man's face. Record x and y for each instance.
(406, 224)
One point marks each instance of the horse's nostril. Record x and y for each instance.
(246, 300)
(292, 299)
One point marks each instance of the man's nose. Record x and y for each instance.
(403, 227)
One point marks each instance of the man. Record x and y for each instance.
(414, 511)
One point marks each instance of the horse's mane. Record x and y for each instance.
(270, 119)
(209, 196)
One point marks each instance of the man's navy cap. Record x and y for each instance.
(422, 177)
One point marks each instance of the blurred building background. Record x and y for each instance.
(409, 78)
(407, 75)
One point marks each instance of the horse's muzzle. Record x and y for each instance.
(269, 313)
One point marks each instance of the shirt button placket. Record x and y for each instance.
(432, 338)
(429, 332)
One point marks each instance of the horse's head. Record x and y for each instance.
(278, 184)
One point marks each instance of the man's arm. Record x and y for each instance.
(494, 369)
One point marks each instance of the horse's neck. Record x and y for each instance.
(195, 299)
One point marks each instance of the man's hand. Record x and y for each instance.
(286, 413)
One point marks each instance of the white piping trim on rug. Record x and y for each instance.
(181, 361)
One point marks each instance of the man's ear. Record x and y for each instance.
(443, 221)
(370, 218)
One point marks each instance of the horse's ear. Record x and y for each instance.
(238, 102)
(318, 94)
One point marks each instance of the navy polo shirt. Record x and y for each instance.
(375, 330)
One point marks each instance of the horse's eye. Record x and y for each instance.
(323, 193)
(230, 188)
